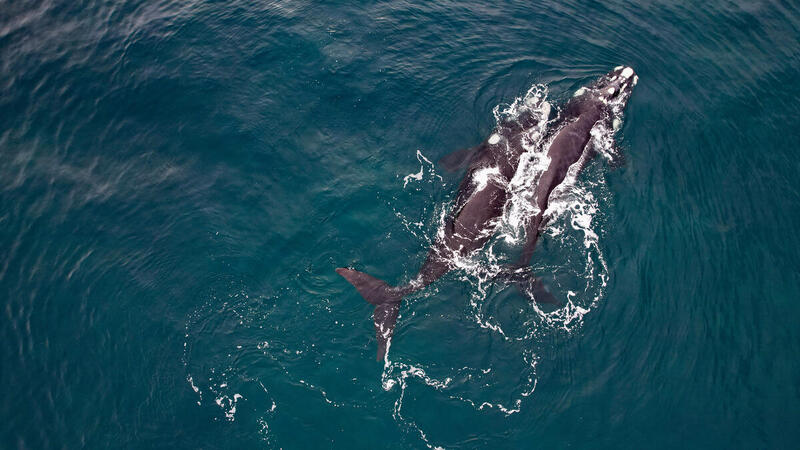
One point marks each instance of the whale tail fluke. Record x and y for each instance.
(385, 298)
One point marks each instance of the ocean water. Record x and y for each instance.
(179, 180)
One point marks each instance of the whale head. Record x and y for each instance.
(615, 87)
(607, 96)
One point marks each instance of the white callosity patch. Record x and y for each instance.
(627, 72)
(494, 139)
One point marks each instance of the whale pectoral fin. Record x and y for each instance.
(459, 159)
(532, 237)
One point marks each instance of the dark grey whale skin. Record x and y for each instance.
(471, 223)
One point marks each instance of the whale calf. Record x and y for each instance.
(483, 192)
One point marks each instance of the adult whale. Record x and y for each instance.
(483, 192)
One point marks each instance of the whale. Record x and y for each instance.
(483, 192)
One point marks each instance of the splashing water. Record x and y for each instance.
(573, 267)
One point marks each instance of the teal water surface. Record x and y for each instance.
(179, 180)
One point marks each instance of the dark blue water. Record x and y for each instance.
(178, 181)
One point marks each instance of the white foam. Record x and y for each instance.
(482, 176)
(228, 405)
(195, 388)
(423, 161)
(545, 114)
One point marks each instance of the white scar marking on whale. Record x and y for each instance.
(627, 72)
(494, 139)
